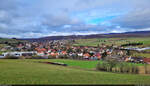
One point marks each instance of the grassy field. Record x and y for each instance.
(147, 50)
(75, 63)
(147, 55)
(80, 63)
(110, 41)
(31, 72)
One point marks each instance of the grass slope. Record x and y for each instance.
(32, 72)
(74, 63)
(110, 41)
(147, 55)
(77, 63)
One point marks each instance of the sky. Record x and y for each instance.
(40, 18)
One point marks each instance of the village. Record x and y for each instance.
(63, 49)
(73, 42)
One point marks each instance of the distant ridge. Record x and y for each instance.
(109, 35)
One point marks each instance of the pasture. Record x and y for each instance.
(114, 41)
(136, 54)
(30, 71)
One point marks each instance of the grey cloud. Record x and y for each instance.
(8, 4)
(60, 20)
(137, 19)
(24, 18)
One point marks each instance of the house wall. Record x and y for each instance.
(18, 53)
(1, 57)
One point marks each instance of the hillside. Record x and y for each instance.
(110, 35)
(7, 41)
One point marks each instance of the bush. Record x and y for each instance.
(22, 57)
(63, 57)
(120, 67)
(102, 66)
(111, 63)
(127, 68)
(51, 57)
(29, 57)
(147, 69)
(36, 57)
(134, 69)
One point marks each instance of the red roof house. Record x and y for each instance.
(146, 60)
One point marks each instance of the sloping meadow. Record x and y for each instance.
(32, 72)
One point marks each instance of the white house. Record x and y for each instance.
(19, 54)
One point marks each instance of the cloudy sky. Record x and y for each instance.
(40, 18)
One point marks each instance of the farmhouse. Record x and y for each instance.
(86, 55)
(41, 52)
(146, 60)
(98, 55)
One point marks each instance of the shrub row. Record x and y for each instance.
(132, 44)
(147, 69)
(120, 67)
(11, 57)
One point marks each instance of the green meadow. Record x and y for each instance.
(147, 55)
(30, 71)
(115, 41)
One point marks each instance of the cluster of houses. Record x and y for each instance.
(62, 49)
